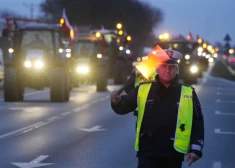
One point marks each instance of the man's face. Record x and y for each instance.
(167, 72)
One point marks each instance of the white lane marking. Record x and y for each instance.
(15, 108)
(33, 163)
(84, 106)
(103, 98)
(76, 110)
(31, 93)
(72, 98)
(52, 118)
(226, 94)
(217, 165)
(227, 89)
(218, 131)
(222, 113)
(22, 129)
(93, 129)
(221, 79)
(107, 97)
(96, 101)
(223, 101)
(66, 113)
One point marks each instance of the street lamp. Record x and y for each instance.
(209, 47)
(212, 50)
(120, 32)
(199, 41)
(128, 38)
(119, 26)
(231, 51)
(204, 45)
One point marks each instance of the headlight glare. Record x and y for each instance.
(27, 64)
(38, 64)
(211, 59)
(82, 69)
(10, 50)
(68, 55)
(194, 69)
(187, 57)
(99, 55)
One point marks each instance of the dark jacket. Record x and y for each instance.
(160, 117)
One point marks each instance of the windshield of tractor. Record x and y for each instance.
(37, 43)
(37, 39)
(85, 49)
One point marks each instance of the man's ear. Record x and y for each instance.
(157, 70)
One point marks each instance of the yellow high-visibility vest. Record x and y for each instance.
(184, 121)
(140, 78)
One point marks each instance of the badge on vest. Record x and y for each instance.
(188, 97)
(150, 79)
(182, 127)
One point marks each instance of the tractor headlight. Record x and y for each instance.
(193, 69)
(38, 64)
(128, 51)
(187, 57)
(27, 64)
(61, 50)
(68, 55)
(68, 50)
(99, 55)
(82, 69)
(211, 59)
(10, 50)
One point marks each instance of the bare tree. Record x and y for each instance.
(138, 19)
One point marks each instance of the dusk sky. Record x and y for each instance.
(211, 19)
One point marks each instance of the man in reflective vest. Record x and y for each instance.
(170, 124)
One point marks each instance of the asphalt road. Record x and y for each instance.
(85, 133)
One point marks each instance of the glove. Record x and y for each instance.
(115, 98)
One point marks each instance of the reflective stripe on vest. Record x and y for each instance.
(139, 78)
(184, 121)
(142, 98)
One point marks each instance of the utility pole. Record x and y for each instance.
(30, 6)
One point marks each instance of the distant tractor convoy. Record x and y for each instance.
(56, 56)
(51, 55)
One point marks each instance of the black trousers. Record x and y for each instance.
(152, 162)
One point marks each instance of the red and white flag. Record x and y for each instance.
(66, 21)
